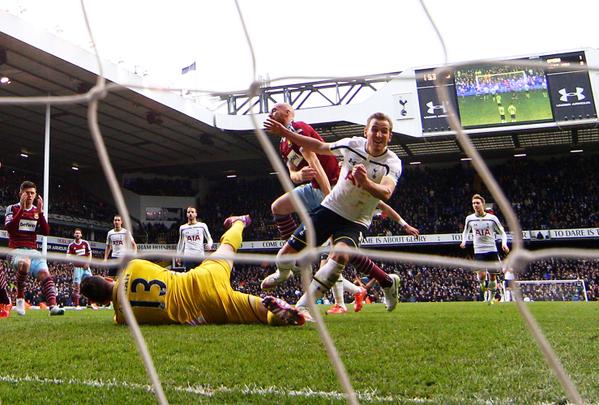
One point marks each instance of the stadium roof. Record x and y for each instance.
(161, 132)
(139, 132)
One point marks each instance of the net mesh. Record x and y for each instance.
(519, 258)
(553, 290)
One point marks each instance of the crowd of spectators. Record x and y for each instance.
(550, 194)
(62, 273)
(419, 283)
(156, 232)
(432, 283)
(67, 197)
(546, 194)
(561, 269)
(237, 196)
(554, 193)
(498, 79)
(160, 186)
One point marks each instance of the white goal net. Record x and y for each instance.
(553, 290)
(520, 256)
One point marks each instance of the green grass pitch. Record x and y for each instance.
(482, 110)
(426, 353)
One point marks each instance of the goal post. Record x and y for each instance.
(553, 290)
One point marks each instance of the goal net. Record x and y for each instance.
(519, 256)
(553, 290)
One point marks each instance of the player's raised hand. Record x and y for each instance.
(274, 127)
(23, 199)
(40, 203)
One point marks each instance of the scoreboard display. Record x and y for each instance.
(496, 95)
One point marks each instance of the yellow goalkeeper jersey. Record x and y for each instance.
(202, 295)
(149, 290)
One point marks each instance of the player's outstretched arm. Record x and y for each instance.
(107, 251)
(464, 235)
(394, 215)
(311, 144)
(208, 237)
(133, 244)
(320, 175)
(181, 242)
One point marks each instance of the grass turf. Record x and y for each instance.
(421, 353)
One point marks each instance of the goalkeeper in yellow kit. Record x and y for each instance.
(201, 296)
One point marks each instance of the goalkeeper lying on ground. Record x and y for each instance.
(201, 296)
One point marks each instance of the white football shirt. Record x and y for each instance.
(191, 239)
(346, 198)
(484, 232)
(120, 242)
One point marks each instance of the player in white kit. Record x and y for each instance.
(192, 237)
(509, 279)
(369, 173)
(118, 241)
(485, 227)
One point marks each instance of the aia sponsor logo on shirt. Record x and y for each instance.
(482, 232)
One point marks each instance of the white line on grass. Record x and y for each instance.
(205, 390)
(370, 395)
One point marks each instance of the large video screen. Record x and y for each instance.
(498, 95)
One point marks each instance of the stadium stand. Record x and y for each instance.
(160, 186)
(436, 200)
(419, 283)
(433, 199)
(70, 205)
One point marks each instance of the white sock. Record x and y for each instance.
(350, 287)
(284, 267)
(322, 282)
(338, 292)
